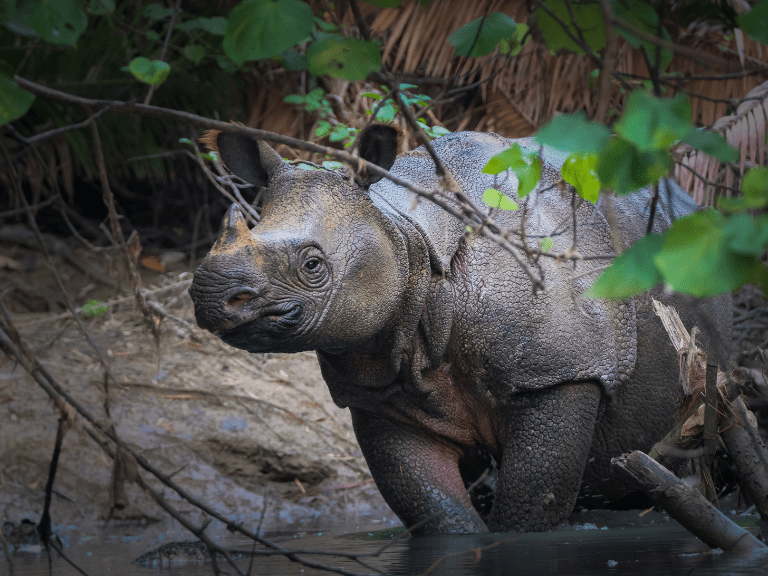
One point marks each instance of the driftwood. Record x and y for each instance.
(713, 405)
(684, 503)
(744, 444)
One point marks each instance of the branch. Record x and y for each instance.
(176, 9)
(12, 346)
(362, 25)
(678, 48)
(684, 503)
(487, 227)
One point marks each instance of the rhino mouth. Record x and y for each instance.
(269, 331)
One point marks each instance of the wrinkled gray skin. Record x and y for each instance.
(433, 337)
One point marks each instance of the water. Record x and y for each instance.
(658, 547)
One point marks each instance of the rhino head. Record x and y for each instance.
(323, 269)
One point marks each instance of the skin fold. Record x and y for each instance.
(433, 337)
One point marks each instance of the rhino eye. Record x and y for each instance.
(312, 264)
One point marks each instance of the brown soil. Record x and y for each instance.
(230, 426)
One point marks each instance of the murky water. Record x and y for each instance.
(659, 546)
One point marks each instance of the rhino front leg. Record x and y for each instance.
(546, 439)
(417, 473)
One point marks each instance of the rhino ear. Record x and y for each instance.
(253, 160)
(379, 144)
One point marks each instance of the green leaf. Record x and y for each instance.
(644, 16)
(755, 22)
(697, 259)
(512, 157)
(93, 309)
(332, 164)
(754, 187)
(741, 231)
(323, 128)
(589, 18)
(525, 165)
(496, 26)
(712, 144)
(344, 57)
(152, 35)
(152, 72)
(632, 273)
(14, 101)
(293, 60)
(513, 46)
(259, 29)
(654, 123)
(325, 26)
(624, 168)
(216, 25)
(226, 64)
(496, 199)
(580, 171)
(573, 133)
(546, 244)
(194, 52)
(387, 112)
(59, 21)
(157, 11)
(101, 7)
(759, 275)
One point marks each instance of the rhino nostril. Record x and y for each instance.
(239, 299)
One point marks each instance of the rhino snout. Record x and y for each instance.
(219, 304)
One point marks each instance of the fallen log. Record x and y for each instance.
(743, 442)
(684, 503)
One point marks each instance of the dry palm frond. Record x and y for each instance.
(514, 97)
(745, 130)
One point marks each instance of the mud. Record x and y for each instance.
(233, 428)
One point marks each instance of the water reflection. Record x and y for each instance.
(659, 547)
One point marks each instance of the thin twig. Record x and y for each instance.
(97, 430)
(678, 48)
(365, 30)
(176, 10)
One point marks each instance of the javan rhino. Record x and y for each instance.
(432, 335)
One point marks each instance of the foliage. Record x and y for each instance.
(755, 22)
(495, 199)
(316, 103)
(580, 171)
(480, 37)
(587, 17)
(14, 102)
(644, 16)
(343, 57)
(153, 72)
(94, 309)
(704, 253)
(259, 29)
(525, 164)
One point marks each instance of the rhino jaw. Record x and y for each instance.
(272, 328)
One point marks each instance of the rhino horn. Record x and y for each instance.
(233, 229)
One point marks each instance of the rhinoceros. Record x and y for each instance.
(432, 335)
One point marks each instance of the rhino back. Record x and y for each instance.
(536, 340)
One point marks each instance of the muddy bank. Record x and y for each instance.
(230, 426)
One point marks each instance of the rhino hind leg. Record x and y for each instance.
(546, 440)
(417, 474)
